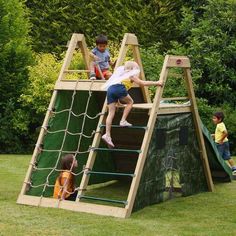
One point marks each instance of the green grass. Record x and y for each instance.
(201, 214)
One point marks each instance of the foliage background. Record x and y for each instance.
(34, 34)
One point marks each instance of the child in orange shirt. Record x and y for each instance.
(64, 188)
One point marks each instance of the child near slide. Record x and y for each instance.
(221, 139)
(64, 188)
(100, 59)
(117, 90)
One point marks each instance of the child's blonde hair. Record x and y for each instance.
(131, 65)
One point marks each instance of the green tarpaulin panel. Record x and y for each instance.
(174, 151)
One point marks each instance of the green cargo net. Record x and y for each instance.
(71, 128)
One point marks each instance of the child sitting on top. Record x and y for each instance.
(117, 90)
(64, 188)
(99, 67)
(221, 139)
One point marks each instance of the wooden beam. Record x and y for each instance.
(84, 85)
(68, 57)
(137, 58)
(131, 40)
(73, 206)
(39, 142)
(76, 71)
(146, 140)
(178, 61)
(122, 52)
(196, 118)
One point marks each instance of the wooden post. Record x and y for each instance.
(196, 118)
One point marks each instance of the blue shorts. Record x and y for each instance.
(223, 150)
(115, 92)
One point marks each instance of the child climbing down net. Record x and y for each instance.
(64, 188)
(117, 90)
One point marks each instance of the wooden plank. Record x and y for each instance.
(76, 71)
(173, 110)
(196, 118)
(178, 61)
(137, 58)
(175, 99)
(84, 49)
(132, 40)
(72, 206)
(163, 108)
(122, 52)
(146, 140)
(83, 85)
(39, 141)
(68, 57)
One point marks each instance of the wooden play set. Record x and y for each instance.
(140, 152)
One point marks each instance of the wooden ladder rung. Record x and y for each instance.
(138, 105)
(76, 71)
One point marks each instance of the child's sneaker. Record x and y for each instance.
(234, 170)
(124, 123)
(92, 76)
(108, 141)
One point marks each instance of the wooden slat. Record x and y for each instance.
(173, 110)
(76, 71)
(122, 52)
(175, 99)
(132, 40)
(137, 58)
(146, 140)
(39, 142)
(81, 85)
(73, 206)
(163, 108)
(178, 61)
(84, 85)
(196, 118)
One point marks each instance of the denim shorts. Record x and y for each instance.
(223, 150)
(115, 92)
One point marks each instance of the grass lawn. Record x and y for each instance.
(201, 214)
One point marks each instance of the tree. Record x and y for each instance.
(15, 56)
(211, 45)
(151, 20)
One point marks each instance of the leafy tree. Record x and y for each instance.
(151, 20)
(211, 47)
(15, 56)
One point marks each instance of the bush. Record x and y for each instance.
(15, 56)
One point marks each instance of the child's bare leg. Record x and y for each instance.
(111, 114)
(129, 103)
(231, 162)
(108, 75)
(92, 70)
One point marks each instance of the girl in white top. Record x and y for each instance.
(117, 90)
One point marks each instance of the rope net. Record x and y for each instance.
(71, 128)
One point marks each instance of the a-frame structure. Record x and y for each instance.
(152, 111)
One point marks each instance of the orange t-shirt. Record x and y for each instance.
(58, 188)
